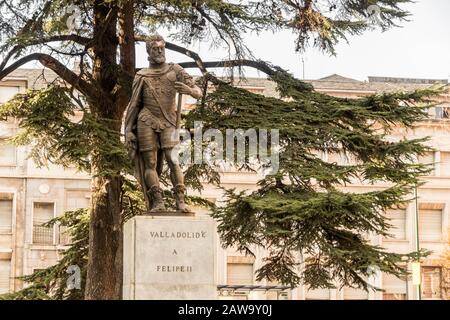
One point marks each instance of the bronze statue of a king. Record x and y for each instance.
(151, 122)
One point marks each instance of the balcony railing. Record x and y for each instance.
(42, 235)
(63, 237)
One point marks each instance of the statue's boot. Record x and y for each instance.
(179, 191)
(155, 193)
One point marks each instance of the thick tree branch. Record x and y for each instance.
(261, 66)
(126, 41)
(32, 42)
(127, 50)
(66, 74)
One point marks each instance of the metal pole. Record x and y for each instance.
(303, 67)
(419, 291)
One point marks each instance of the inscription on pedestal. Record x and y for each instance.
(169, 258)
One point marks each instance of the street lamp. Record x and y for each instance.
(415, 266)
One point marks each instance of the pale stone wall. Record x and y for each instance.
(21, 178)
(28, 184)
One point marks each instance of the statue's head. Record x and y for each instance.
(156, 47)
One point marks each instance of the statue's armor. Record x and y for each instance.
(157, 118)
(163, 85)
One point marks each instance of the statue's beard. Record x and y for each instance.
(157, 60)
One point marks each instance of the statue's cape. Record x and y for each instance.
(131, 114)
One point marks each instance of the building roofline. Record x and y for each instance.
(382, 79)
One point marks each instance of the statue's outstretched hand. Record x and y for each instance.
(183, 88)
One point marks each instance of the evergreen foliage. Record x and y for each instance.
(51, 283)
(48, 123)
(301, 208)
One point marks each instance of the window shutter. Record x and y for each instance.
(438, 112)
(393, 285)
(397, 218)
(355, 294)
(5, 275)
(77, 199)
(339, 158)
(430, 224)
(7, 153)
(317, 294)
(431, 283)
(445, 164)
(428, 158)
(7, 92)
(6, 215)
(239, 273)
(42, 213)
(394, 296)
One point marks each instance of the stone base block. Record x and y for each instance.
(169, 257)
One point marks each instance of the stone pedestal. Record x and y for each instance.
(169, 257)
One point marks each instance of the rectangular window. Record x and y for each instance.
(42, 213)
(397, 218)
(429, 159)
(430, 224)
(7, 92)
(431, 283)
(395, 288)
(77, 199)
(64, 238)
(394, 296)
(355, 294)
(276, 294)
(442, 112)
(445, 163)
(317, 294)
(6, 212)
(257, 90)
(239, 273)
(5, 275)
(7, 153)
(340, 158)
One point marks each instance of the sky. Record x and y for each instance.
(419, 49)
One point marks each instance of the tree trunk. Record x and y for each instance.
(105, 261)
(105, 237)
(103, 280)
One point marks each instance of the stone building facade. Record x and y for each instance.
(30, 196)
